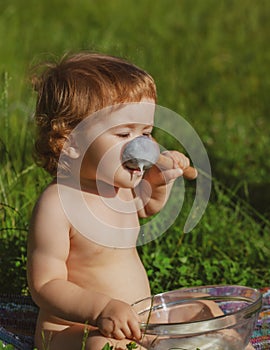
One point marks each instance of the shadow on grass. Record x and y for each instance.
(255, 194)
(13, 262)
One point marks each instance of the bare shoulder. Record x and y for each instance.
(49, 200)
(48, 210)
(49, 195)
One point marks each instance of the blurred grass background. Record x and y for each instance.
(210, 61)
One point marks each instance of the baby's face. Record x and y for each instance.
(106, 140)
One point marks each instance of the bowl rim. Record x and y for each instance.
(203, 326)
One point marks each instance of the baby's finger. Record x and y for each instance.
(127, 331)
(172, 174)
(181, 161)
(106, 326)
(186, 162)
(118, 334)
(169, 159)
(135, 329)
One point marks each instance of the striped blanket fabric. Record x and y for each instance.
(261, 335)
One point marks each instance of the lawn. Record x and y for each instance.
(210, 61)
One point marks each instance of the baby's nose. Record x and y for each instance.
(140, 153)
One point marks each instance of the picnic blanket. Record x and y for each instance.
(18, 316)
(261, 335)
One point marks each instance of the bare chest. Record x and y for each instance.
(108, 221)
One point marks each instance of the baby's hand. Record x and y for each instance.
(169, 167)
(118, 320)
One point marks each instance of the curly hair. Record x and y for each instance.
(76, 87)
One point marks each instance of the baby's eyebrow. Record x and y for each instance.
(148, 126)
(132, 126)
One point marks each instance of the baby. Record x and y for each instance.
(83, 267)
(84, 271)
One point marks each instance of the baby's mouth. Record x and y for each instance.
(133, 168)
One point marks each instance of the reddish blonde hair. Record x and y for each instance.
(76, 87)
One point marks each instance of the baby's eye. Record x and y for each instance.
(148, 134)
(124, 134)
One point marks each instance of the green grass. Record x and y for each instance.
(210, 60)
(107, 346)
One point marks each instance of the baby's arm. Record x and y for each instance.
(48, 252)
(153, 191)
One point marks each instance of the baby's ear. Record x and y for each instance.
(71, 149)
(72, 152)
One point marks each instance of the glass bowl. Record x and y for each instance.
(199, 318)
